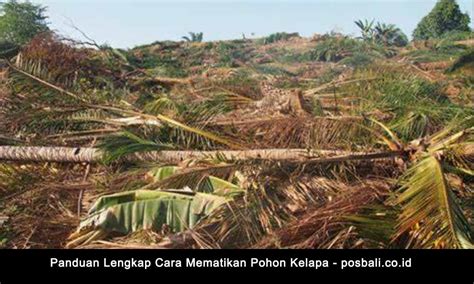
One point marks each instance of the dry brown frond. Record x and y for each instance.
(320, 226)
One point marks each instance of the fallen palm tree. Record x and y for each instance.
(92, 155)
(425, 179)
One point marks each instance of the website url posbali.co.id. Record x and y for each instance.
(376, 263)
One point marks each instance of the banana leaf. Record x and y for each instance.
(130, 211)
(209, 184)
(219, 187)
(161, 173)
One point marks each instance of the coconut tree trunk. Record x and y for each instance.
(49, 154)
(91, 155)
(296, 155)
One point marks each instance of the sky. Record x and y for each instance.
(127, 23)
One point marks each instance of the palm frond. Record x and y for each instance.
(146, 119)
(117, 146)
(375, 224)
(162, 105)
(319, 225)
(317, 132)
(35, 72)
(392, 141)
(430, 212)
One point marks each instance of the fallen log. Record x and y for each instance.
(94, 155)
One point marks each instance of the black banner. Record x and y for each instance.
(81, 263)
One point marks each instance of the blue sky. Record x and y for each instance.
(126, 23)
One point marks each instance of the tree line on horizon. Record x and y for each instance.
(21, 21)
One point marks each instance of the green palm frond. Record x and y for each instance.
(175, 124)
(392, 141)
(375, 224)
(162, 105)
(430, 213)
(199, 132)
(201, 113)
(447, 138)
(366, 28)
(414, 125)
(461, 157)
(194, 37)
(124, 143)
(457, 149)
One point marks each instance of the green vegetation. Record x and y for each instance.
(466, 61)
(276, 37)
(21, 21)
(194, 37)
(336, 47)
(8, 49)
(445, 17)
(386, 34)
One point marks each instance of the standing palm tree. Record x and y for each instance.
(366, 29)
(194, 37)
(389, 34)
(386, 34)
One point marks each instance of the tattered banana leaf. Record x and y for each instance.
(209, 184)
(161, 173)
(130, 211)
